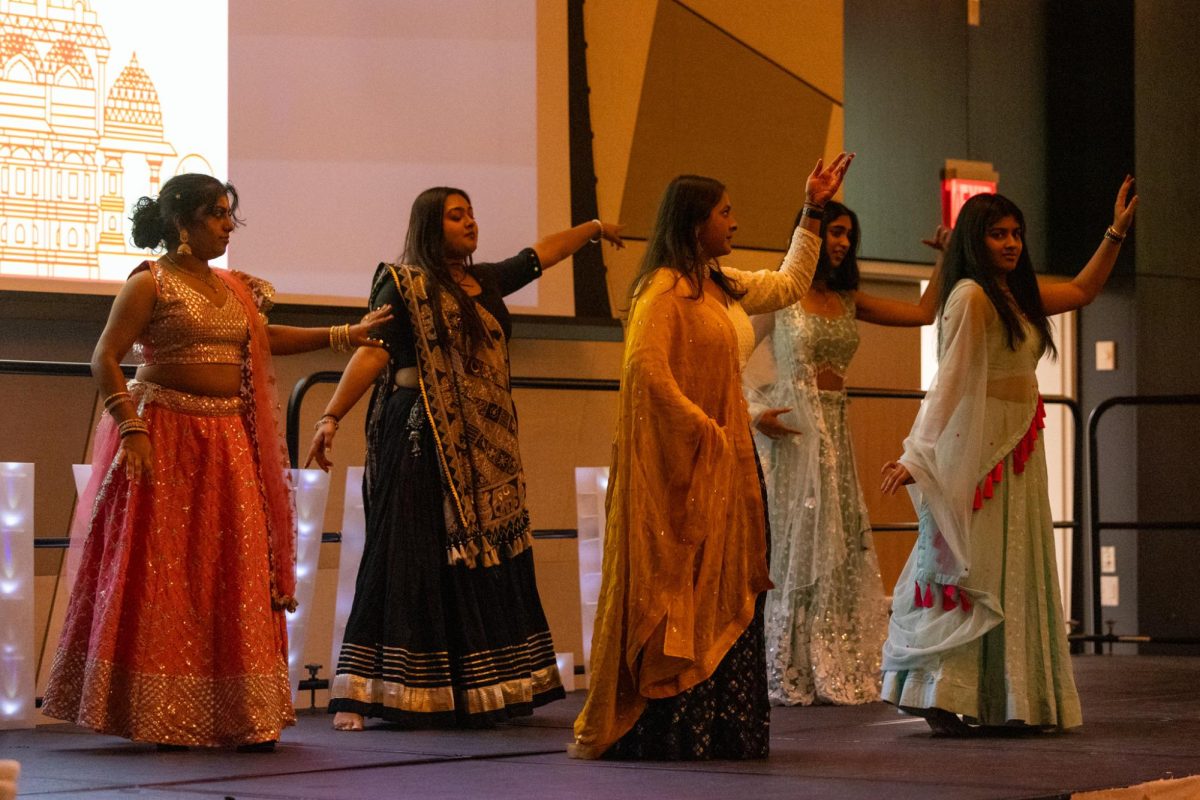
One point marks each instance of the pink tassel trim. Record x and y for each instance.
(952, 597)
(1021, 453)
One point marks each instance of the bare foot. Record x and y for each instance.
(347, 721)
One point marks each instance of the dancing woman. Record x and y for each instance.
(175, 629)
(826, 618)
(977, 634)
(678, 668)
(446, 625)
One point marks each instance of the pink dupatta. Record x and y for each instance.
(262, 423)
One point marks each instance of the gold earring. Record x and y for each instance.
(183, 248)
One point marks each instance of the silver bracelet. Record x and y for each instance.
(596, 239)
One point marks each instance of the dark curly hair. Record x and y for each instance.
(156, 221)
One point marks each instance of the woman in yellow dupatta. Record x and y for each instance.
(678, 669)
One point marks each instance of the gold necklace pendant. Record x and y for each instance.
(210, 280)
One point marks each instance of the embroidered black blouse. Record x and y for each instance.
(496, 280)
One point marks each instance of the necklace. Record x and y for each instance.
(210, 280)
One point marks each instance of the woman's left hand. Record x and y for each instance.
(770, 424)
(1124, 207)
(939, 240)
(824, 182)
(895, 475)
(361, 333)
(611, 233)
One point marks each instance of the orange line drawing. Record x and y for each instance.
(65, 136)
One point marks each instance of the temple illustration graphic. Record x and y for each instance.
(67, 137)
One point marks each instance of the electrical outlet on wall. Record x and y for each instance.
(1108, 558)
(1110, 590)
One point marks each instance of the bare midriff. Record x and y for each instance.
(1015, 388)
(406, 378)
(830, 381)
(211, 380)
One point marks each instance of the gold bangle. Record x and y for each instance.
(115, 398)
(339, 338)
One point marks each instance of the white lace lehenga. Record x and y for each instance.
(826, 617)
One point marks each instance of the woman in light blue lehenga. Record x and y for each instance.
(827, 616)
(977, 634)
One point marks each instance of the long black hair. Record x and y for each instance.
(967, 256)
(156, 221)
(425, 249)
(843, 278)
(685, 205)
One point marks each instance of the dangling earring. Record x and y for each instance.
(183, 248)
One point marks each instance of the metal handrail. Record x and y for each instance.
(1097, 525)
(302, 387)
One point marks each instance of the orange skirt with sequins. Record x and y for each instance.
(170, 635)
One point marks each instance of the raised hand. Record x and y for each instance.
(824, 182)
(939, 240)
(1124, 207)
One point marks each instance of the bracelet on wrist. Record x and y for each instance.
(328, 418)
(1113, 235)
(339, 338)
(812, 211)
(132, 426)
(599, 232)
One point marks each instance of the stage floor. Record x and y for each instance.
(1141, 723)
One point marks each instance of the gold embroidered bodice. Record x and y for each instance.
(188, 328)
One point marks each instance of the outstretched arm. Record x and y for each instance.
(1061, 296)
(883, 311)
(289, 339)
(557, 246)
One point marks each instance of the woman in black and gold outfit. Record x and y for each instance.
(446, 626)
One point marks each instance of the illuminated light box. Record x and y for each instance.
(18, 662)
(591, 486)
(312, 491)
(354, 537)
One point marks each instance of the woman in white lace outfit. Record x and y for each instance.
(826, 619)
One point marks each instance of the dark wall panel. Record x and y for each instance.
(1167, 68)
(923, 86)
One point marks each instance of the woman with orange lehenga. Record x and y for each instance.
(678, 661)
(175, 629)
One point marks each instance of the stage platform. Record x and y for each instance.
(1141, 723)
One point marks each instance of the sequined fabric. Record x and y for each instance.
(726, 716)
(170, 635)
(826, 619)
(188, 328)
